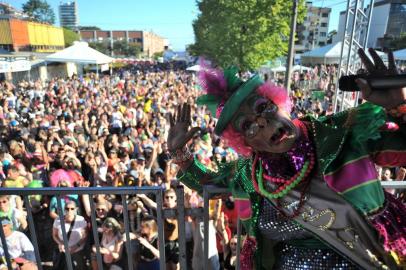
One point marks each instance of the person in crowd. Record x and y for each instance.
(300, 174)
(230, 252)
(148, 240)
(7, 209)
(19, 247)
(171, 232)
(53, 207)
(14, 178)
(76, 233)
(111, 245)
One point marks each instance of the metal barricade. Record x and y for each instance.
(180, 213)
(123, 191)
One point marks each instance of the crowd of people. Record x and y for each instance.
(89, 131)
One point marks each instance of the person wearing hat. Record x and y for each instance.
(306, 189)
(19, 248)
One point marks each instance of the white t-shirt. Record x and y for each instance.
(116, 119)
(18, 244)
(78, 230)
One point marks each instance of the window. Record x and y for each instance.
(322, 43)
(324, 15)
(323, 24)
(323, 34)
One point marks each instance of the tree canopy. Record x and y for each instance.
(70, 36)
(40, 11)
(89, 28)
(120, 48)
(245, 33)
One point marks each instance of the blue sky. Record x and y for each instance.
(171, 19)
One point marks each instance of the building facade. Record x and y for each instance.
(68, 15)
(313, 32)
(18, 35)
(149, 42)
(388, 21)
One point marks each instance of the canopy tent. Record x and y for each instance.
(283, 68)
(400, 55)
(330, 54)
(80, 53)
(300, 68)
(195, 68)
(278, 69)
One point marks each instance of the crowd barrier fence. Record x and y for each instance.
(180, 213)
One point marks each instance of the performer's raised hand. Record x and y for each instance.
(387, 99)
(180, 132)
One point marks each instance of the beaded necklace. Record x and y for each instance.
(303, 159)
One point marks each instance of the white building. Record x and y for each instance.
(388, 21)
(68, 15)
(314, 30)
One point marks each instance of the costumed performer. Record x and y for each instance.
(306, 189)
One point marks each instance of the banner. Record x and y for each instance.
(4, 66)
(20, 65)
(14, 66)
(104, 67)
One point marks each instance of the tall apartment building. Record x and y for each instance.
(388, 21)
(313, 32)
(68, 15)
(149, 42)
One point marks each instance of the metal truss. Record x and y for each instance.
(357, 21)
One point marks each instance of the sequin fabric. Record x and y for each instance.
(274, 226)
(297, 258)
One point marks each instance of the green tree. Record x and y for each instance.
(40, 11)
(245, 33)
(70, 36)
(133, 50)
(102, 47)
(157, 55)
(88, 28)
(124, 48)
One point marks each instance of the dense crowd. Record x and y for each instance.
(111, 131)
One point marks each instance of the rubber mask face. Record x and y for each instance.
(265, 127)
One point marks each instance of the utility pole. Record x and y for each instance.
(291, 45)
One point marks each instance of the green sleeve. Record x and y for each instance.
(197, 171)
(367, 124)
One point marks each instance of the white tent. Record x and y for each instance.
(278, 69)
(294, 68)
(195, 68)
(80, 53)
(300, 68)
(400, 55)
(330, 54)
